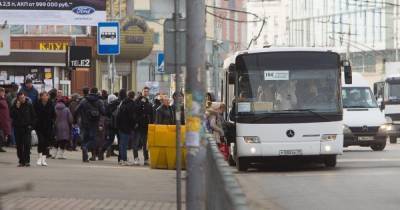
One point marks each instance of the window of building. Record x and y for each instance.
(156, 38)
(33, 29)
(79, 30)
(17, 29)
(64, 30)
(48, 29)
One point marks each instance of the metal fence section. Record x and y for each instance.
(223, 190)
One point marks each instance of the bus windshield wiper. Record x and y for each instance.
(307, 110)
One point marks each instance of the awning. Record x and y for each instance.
(33, 58)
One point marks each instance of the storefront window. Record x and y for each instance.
(62, 30)
(79, 30)
(48, 29)
(33, 29)
(17, 29)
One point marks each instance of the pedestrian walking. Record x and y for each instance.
(165, 114)
(5, 122)
(156, 104)
(144, 115)
(63, 127)
(45, 113)
(126, 123)
(89, 110)
(23, 119)
(12, 94)
(179, 96)
(30, 91)
(110, 124)
(75, 137)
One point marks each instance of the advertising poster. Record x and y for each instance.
(53, 12)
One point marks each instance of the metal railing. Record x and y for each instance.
(223, 190)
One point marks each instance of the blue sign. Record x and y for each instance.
(160, 62)
(108, 38)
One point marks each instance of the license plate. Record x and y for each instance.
(365, 138)
(290, 152)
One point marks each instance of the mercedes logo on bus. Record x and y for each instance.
(290, 133)
(365, 128)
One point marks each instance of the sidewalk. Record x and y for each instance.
(100, 185)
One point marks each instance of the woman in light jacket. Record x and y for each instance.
(215, 119)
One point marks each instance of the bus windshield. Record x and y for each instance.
(288, 81)
(394, 91)
(358, 97)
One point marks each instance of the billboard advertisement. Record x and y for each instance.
(53, 12)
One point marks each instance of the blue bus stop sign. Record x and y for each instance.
(108, 38)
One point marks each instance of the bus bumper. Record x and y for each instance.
(276, 149)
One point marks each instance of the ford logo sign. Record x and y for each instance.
(83, 10)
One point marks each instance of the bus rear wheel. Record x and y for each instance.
(330, 161)
(378, 147)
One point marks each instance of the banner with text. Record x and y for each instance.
(53, 12)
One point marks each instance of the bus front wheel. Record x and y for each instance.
(330, 161)
(241, 164)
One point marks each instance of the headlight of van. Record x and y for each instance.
(252, 139)
(328, 137)
(389, 120)
(384, 128)
(346, 129)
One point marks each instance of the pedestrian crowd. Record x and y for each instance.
(99, 122)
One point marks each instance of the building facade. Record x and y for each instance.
(274, 30)
(366, 31)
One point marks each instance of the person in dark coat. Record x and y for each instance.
(74, 102)
(144, 115)
(44, 128)
(5, 122)
(111, 123)
(126, 123)
(23, 119)
(165, 114)
(63, 127)
(179, 96)
(90, 111)
(30, 91)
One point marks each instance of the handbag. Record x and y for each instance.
(34, 138)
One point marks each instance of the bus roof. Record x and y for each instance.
(232, 58)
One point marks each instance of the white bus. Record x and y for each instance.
(284, 102)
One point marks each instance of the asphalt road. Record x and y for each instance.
(363, 179)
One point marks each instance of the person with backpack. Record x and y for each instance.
(144, 116)
(44, 128)
(63, 127)
(90, 109)
(126, 124)
(111, 123)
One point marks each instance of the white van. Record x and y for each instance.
(364, 122)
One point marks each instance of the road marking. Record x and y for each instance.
(369, 160)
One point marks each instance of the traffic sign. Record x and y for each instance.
(108, 38)
(160, 62)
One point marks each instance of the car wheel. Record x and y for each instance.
(330, 161)
(378, 147)
(242, 165)
(393, 139)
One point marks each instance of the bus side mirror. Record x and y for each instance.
(348, 76)
(231, 73)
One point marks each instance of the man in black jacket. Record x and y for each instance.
(23, 119)
(126, 121)
(90, 109)
(144, 116)
(165, 114)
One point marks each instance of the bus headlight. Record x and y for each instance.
(252, 139)
(328, 137)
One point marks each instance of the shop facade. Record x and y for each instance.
(43, 59)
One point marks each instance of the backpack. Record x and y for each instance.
(93, 112)
(114, 116)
